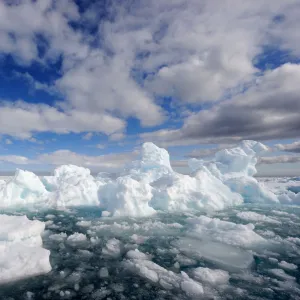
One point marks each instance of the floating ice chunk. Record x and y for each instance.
(136, 254)
(50, 217)
(192, 288)
(126, 196)
(59, 237)
(281, 213)
(289, 197)
(103, 273)
(166, 279)
(294, 240)
(20, 229)
(21, 252)
(113, 248)
(210, 276)
(281, 274)
(273, 260)
(226, 232)
(287, 266)
(23, 189)
(84, 223)
(225, 256)
(235, 168)
(153, 163)
(138, 239)
(101, 294)
(183, 192)
(85, 253)
(72, 186)
(117, 287)
(255, 217)
(185, 261)
(75, 277)
(76, 238)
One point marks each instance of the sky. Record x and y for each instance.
(87, 82)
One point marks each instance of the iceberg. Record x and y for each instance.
(149, 184)
(235, 168)
(152, 164)
(211, 276)
(72, 186)
(22, 189)
(126, 197)
(183, 192)
(21, 252)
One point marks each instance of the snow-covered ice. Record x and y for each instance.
(21, 252)
(70, 186)
(211, 276)
(76, 238)
(23, 189)
(255, 217)
(149, 184)
(164, 278)
(126, 197)
(113, 248)
(287, 266)
(226, 232)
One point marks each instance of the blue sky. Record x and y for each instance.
(87, 82)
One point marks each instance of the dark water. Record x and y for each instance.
(75, 267)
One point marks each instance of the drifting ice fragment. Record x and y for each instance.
(76, 238)
(136, 254)
(255, 217)
(226, 232)
(21, 252)
(166, 279)
(23, 189)
(112, 248)
(103, 273)
(225, 256)
(287, 266)
(210, 276)
(281, 274)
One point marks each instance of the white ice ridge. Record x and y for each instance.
(150, 184)
(21, 252)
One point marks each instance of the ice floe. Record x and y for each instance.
(211, 276)
(21, 252)
(167, 279)
(255, 217)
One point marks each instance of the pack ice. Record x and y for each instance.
(150, 184)
(21, 252)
